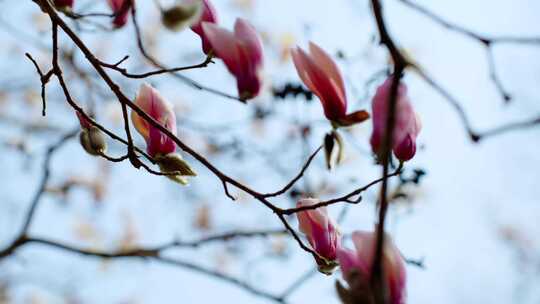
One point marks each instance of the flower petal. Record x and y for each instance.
(209, 15)
(225, 45)
(246, 34)
(300, 60)
(153, 104)
(321, 84)
(364, 242)
(327, 64)
(405, 119)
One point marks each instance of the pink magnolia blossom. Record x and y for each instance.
(241, 52)
(320, 230)
(356, 266)
(407, 123)
(63, 4)
(151, 102)
(322, 76)
(209, 15)
(121, 10)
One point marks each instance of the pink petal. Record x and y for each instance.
(325, 88)
(308, 217)
(159, 142)
(250, 41)
(395, 273)
(225, 45)
(405, 116)
(405, 150)
(319, 229)
(209, 15)
(348, 261)
(121, 9)
(394, 267)
(300, 60)
(151, 102)
(364, 242)
(327, 64)
(242, 54)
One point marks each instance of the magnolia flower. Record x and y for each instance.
(241, 52)
(209, 14)
(63, 4)
(356, 269)
(121, 10)
(151, 102)
(182, 14)
(91, 138)
(158, 145)
(321, 75)
(407, 123)
(321, 232)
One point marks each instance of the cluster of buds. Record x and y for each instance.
(321, 75)
(91, 138)
(242, 53)
(159, 145)
(325, 240)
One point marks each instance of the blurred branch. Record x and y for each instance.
(400, 63)
(155, 254)
(473, 134)
(486, 41)
(124, 71)
(22, 236)
(297, 178)
(44, 78)
(299, 282)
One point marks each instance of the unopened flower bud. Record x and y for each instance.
(407, 124)
(356, 267)
(321, 232)
(156, 106)
(182, 16)
(174, 163)
(93, 141)
(242, 53)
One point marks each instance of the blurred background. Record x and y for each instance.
(468, 210)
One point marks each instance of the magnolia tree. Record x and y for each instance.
(133, 122)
